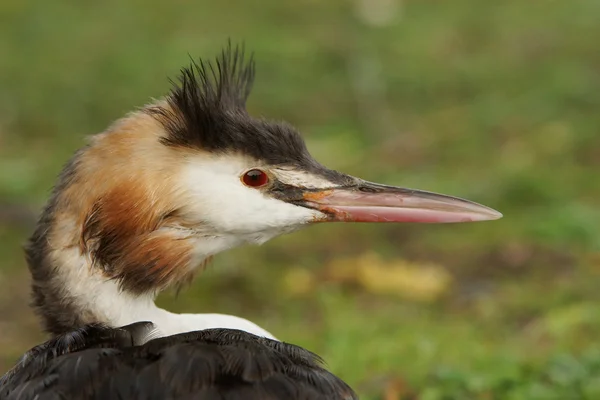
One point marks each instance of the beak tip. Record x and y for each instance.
(491, 215)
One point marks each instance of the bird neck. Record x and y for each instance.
(70, 289)
(77, 294)
(108, 240)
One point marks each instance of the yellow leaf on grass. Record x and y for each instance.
(418, 282)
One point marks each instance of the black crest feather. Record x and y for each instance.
(206, 109)
(222, 85)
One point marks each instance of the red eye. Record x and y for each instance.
(255, 178)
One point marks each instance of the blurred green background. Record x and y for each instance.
(498, 102)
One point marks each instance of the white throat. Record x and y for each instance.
(107, 303)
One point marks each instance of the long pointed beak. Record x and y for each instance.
(372, 202)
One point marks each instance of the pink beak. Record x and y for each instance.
(372, 202)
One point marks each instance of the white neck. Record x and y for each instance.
(101, 297)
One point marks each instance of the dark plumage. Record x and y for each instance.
(57, 313)
(97, 362)
(207, 110)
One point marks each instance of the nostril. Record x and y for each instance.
(367, 189)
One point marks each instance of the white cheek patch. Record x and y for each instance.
(222, 205)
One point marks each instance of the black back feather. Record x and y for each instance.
(97, 362)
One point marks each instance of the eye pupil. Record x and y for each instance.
(255, 178)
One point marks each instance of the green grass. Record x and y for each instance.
(495, 102)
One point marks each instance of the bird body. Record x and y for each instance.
(144, 207)
(98, 362)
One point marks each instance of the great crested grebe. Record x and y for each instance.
(145, 206)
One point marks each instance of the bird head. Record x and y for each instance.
(193, 174)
